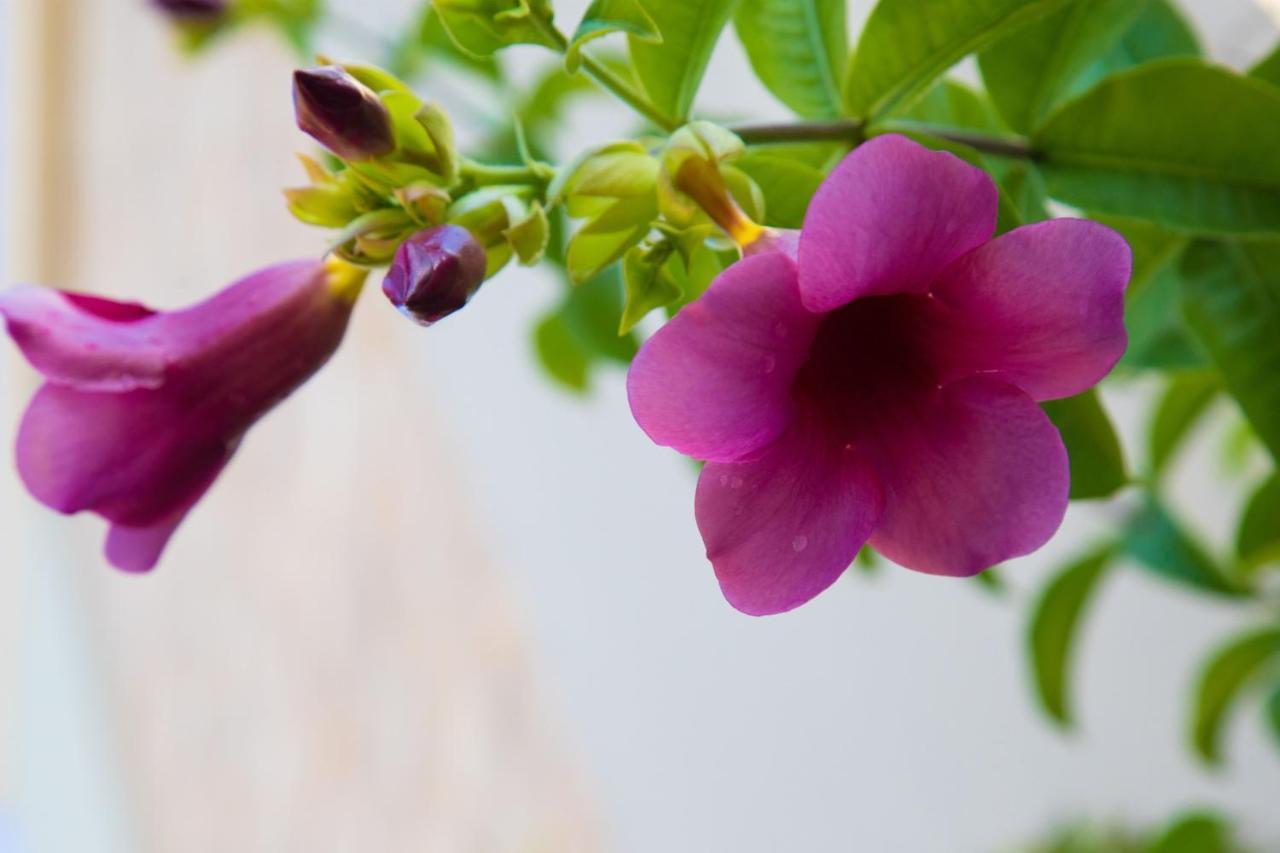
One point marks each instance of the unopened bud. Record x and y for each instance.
(341, 113)
(192, 10)
(435, 272)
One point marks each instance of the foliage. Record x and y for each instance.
(1105, 107)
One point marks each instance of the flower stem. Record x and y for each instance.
(487, 174)
(610, 80)
(855, 132)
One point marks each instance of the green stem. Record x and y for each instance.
(487, 175)
(855, 132)
(611, 81)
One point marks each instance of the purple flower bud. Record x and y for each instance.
(341, 113)
(192, 10)
(434, 273)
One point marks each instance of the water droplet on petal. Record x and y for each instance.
(799, 543)
(770, 363)
(724, 479)
(735, 483)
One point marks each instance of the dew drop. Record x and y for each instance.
(724, 479)
(735, 483)
(799, 543)
(770, 363)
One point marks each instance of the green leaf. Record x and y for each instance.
(541, 109)
(1231, 297)
(1160, 32)
(1185, 399)
(1051, 635)
(648, 282)
(1179, 143)
(787, 186)
(1258, 539)
(607, 237)
(1097, 463)
(1226, 675)
(906, 44)
(1273, 715)
(1024, 186)
(428, 41)
(671, 71)
(1268, 68)
(798, 50)
(1199, 832)
(559, 353)
(483, 27)
(991, 581)
(1032, 69)
(950, 103)
(610, 16)
(1159, 338)
(1156, 541)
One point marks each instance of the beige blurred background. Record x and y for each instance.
(437, 605)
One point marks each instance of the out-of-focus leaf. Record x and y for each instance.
(787, 186)
(1160, 32)
(671, 71)
(798, 50)
(611, 16)
(1051, 635)
(1161, 546)
(1273, 714)
(427, 41)
(1159, 338)
(991, 581)
(1097, 462)
(1198, 832)
(594, 309)
(1032, 69)
(582, 332)
(1231, 297)
(1024, 186)
(1139, 145)
(906, 44)
(1185, 399)
(559, 352)
(1258, 539)
(1268, 68)
(950, 103)
(483, 27)
(543, 106)
(1224, 678)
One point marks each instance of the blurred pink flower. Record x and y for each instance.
(141, 410)
(879, 381)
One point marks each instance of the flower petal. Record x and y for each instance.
(1041, 307)
(783, 527)
(888, 219)
(127, 457)
(138, 549)
(973, 474)
(714, 382)
(86, 341)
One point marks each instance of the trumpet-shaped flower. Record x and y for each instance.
(877, 380)
(140, 410)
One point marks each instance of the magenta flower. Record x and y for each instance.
(141, 410)
(881, 382)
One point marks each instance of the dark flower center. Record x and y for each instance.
(866, 357)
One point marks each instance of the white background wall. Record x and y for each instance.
(891, 714)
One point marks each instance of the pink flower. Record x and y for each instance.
(880, 382)
(141, 410)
